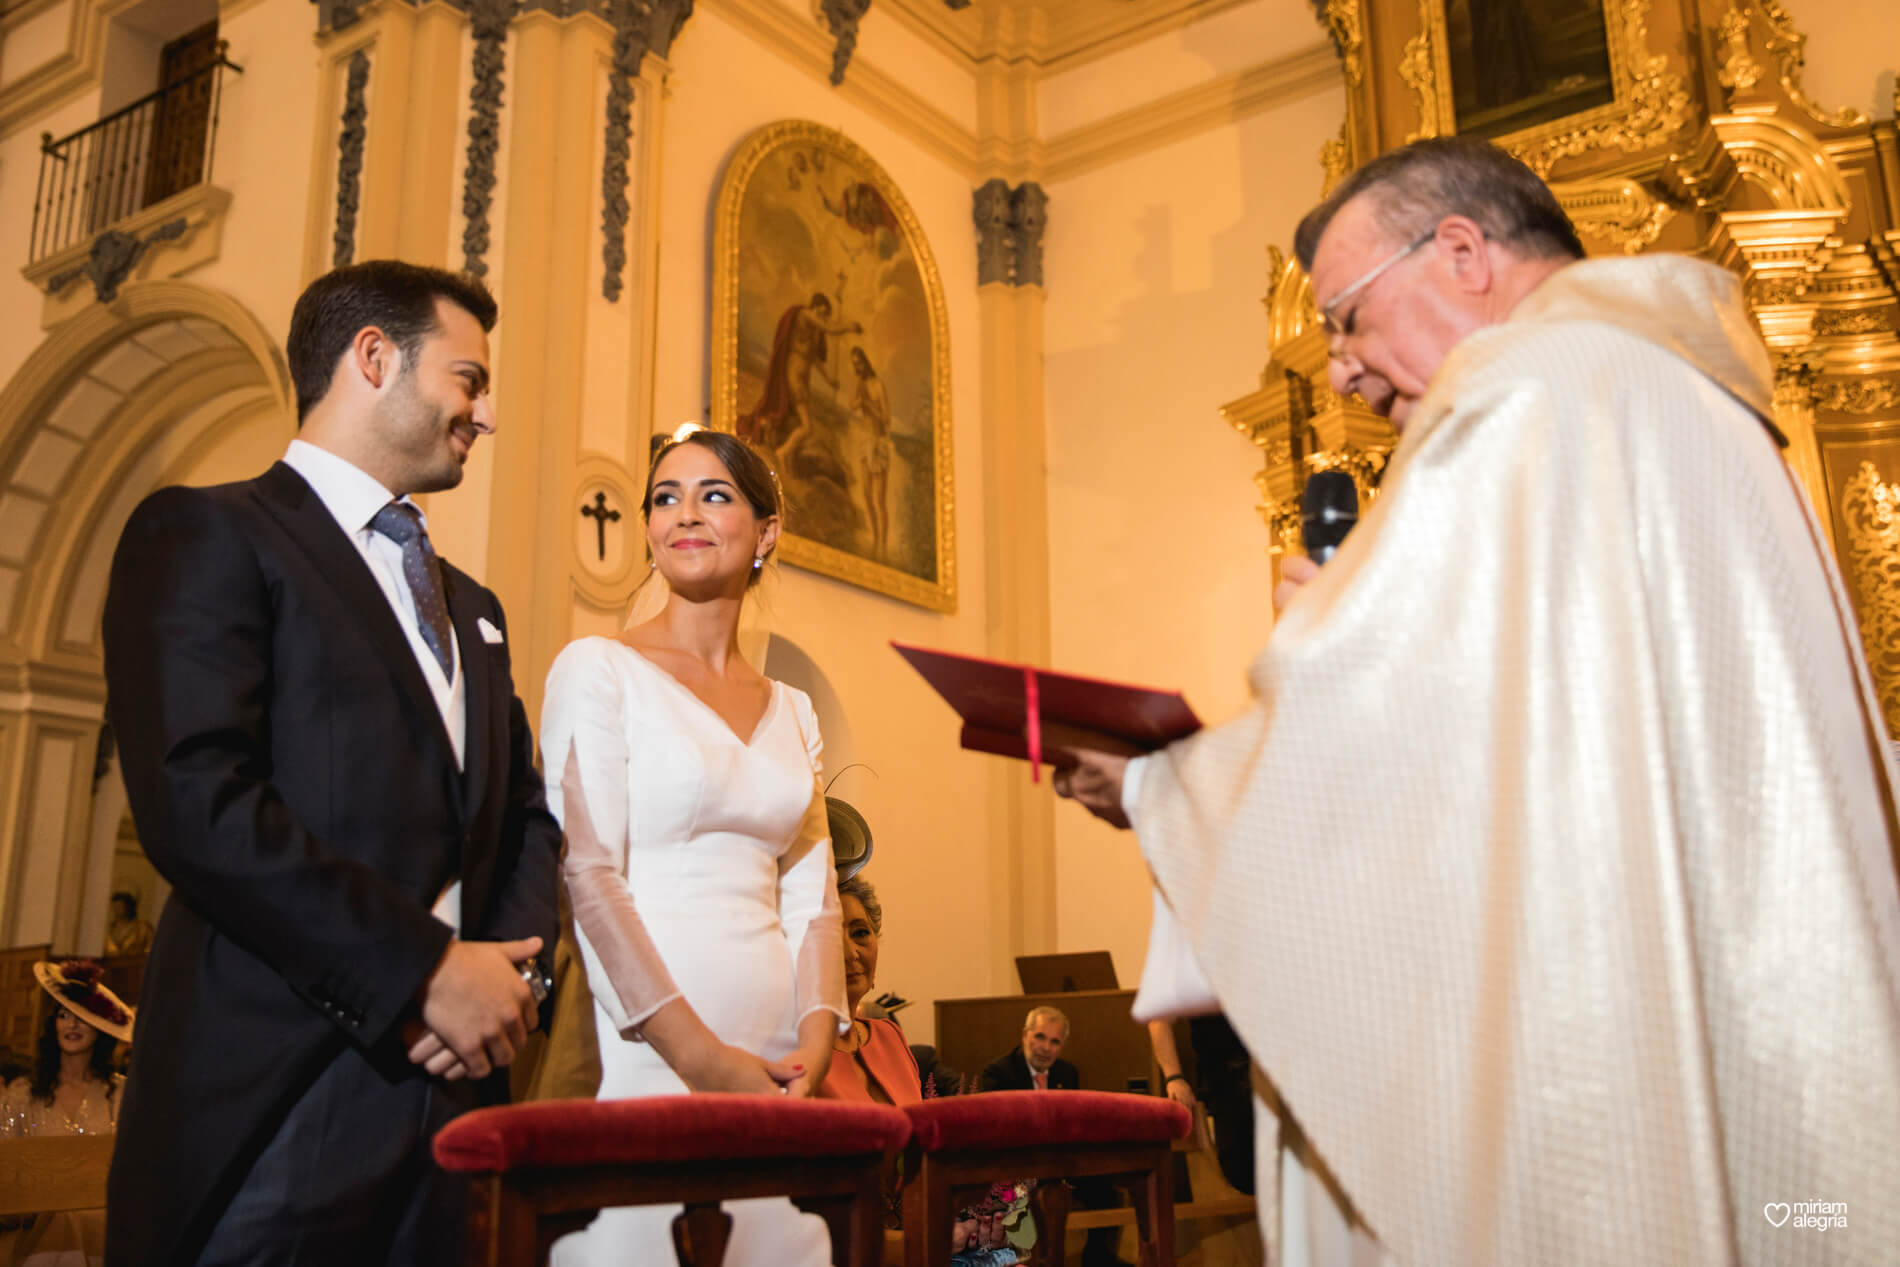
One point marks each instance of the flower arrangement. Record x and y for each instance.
(1009, 1204)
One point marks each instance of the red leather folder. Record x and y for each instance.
(1037, 715)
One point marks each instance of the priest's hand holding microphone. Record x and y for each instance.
(1329, 507)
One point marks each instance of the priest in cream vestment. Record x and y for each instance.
(1551, 879)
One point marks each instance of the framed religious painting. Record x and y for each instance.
(1545, 79)
(831, 356)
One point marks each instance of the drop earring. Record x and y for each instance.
(758, 561)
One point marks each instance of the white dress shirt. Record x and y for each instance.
(353, 497)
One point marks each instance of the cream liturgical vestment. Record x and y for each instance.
(1551, 880)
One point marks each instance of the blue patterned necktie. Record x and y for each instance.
(402, 523)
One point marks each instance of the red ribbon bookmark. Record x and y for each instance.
(1033, 704)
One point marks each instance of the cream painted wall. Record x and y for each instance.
(886, 42)
(35, 41)
(1233, 40)
(1158, 563)
(1852, 49)
(20, 329)
(263, 144)
(925, 803)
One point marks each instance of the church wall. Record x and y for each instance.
(1230, 42)
(923, 798)
(1156, 268)
(264, 131)
(886, 42)
(263, 142)
(1850, 52)
(37, 40)
(20, 330)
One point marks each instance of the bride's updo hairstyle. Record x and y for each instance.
(751, 475)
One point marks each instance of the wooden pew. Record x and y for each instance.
(57, 1172)
(1105, 1044)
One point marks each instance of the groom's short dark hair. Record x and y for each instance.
(396, 297)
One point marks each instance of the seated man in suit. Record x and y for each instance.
(1034, 1065)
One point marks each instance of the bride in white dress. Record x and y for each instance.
(698, 860)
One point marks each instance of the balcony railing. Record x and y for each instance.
(160, 145)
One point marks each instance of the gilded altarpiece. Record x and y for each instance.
(1678, 125)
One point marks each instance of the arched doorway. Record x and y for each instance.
(172, 383)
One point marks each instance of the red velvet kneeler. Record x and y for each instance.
(537, 1171)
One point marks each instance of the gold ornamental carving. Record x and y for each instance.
(1335, 160)
(1296, 420)
(1622, 211)
(1652, 104)
(1740, 71)
(1343, 24)
(1365, 465)
(1871, 511)
(1789, 48)
(1850, 323)
(1858, 395)
(1426, 70)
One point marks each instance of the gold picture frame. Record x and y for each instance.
(1650, 100)
(831, 354)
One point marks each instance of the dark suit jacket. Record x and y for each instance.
(1011, 1073)
(291, 777)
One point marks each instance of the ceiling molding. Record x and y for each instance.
(1191, 111)
(1140, 128)
(1052, 34)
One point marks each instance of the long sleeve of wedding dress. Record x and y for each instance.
(808, 897)
(631, 980)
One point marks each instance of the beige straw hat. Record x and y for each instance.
(78, 985)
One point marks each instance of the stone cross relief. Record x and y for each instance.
(602, 515)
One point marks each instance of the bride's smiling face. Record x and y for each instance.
(702, 531)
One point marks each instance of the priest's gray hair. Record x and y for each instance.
(1417, 185)
(860, 888)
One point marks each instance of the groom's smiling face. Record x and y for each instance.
(438, 403)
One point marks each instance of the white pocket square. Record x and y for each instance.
(490, 634)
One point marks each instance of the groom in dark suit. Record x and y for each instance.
(326, 758)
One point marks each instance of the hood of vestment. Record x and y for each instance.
(1687, 306)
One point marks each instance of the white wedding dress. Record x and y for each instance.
(699, 865)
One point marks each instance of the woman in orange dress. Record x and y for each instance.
(873, 1063)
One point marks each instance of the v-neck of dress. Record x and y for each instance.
(758, 727)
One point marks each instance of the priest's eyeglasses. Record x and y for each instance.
(1329, 315)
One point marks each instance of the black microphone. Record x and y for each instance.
(1329, 507)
